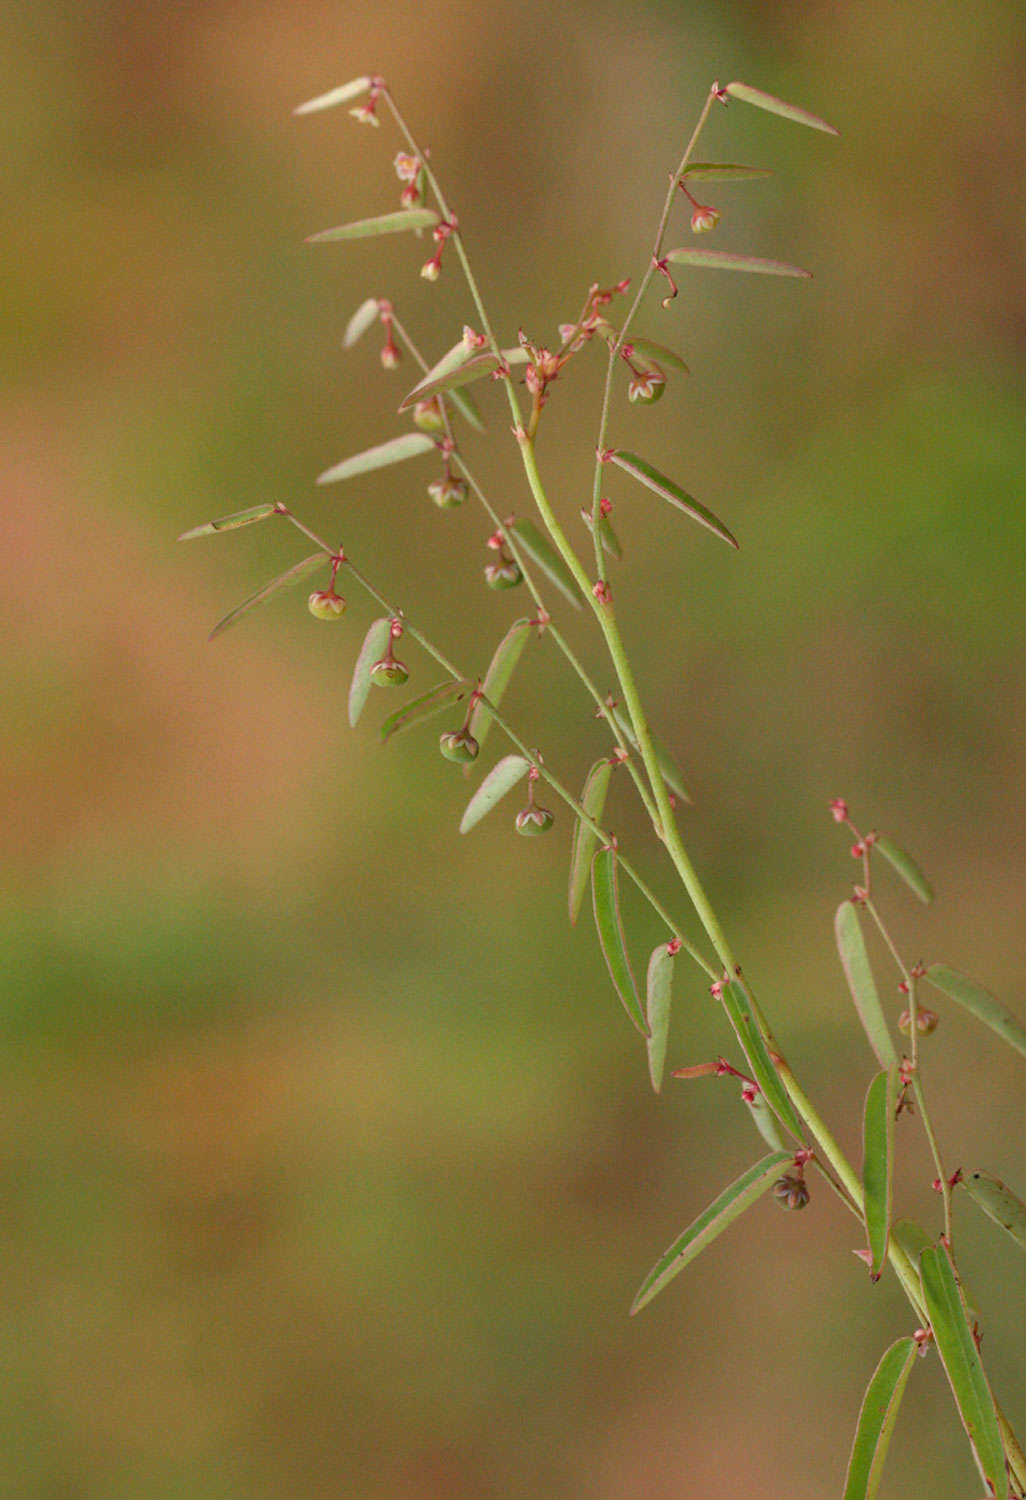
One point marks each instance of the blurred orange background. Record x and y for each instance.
(330, 1163)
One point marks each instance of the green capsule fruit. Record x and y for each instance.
(447, 493)
(791, 1191)
(427, 415)
(503, 575)
(646, 388)
(533, 820)
(459, 745)
(388, 672)
(325, 604)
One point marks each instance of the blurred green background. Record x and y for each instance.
(330, 1164)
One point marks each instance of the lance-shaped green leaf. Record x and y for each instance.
(606, 901)
(449, 377)
(341, 95)
(730, 1205)
(672, 773)
(879, 1413)
(294, 574)
(395, 451)
(851, 945)
(737, 1003)
(452, 359)
(906, 867)
(468, 411)
(424, 707)
(365, 315)
(607, 536)
(774, 106)
(502, 778)
(912, 1237)
(497, 678)
(658, 999)
(648, 349)
(582, 844)
(998, 1203)
(980, 1002)
(764, 1120)
(650, 477)
(878, 1163)
(372, 650)
(362, 229)
(961, 1360)
(230, 523)
(724, 171)
(544, 556)
(727, 260)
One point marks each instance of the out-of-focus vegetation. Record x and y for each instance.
(330, 1165)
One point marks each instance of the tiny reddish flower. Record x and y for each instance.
(839, 808)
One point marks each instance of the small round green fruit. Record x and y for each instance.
(459, 745)
(325, 604)
(427, 415)
(448, 493)
(388, 672)
(503, 575)
(534, 820)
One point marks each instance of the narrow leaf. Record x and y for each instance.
(764, 1120)
(851, 945)
(906, 867)
(961, 1361)
(372, 650)
(998, 1203)
(429, 703)
(502, 778)
(451, 360)
(607, 536)
(658, 483)
(366, 314)
(462, 371)
(229, 523)
(724, 171)
(775, 106)
(497, 678)
(879, 1413)
(362, 229)
(658, 998)
(545, 556)
(582, 846)
(878, 1163)
(341, 95)
(737, 1004)
(648, 349)
(291, 575)
(672, 774)
(914, 1239)
(464, 404)
(980, 1002)
(408, 445)
(606, 901)
(730, 1205)
(726, 260)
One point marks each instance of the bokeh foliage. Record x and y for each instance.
(330, 1161)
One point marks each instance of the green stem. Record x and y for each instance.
(557, 786)
(917, 1088)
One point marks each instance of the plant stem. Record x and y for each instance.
(553, 781)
